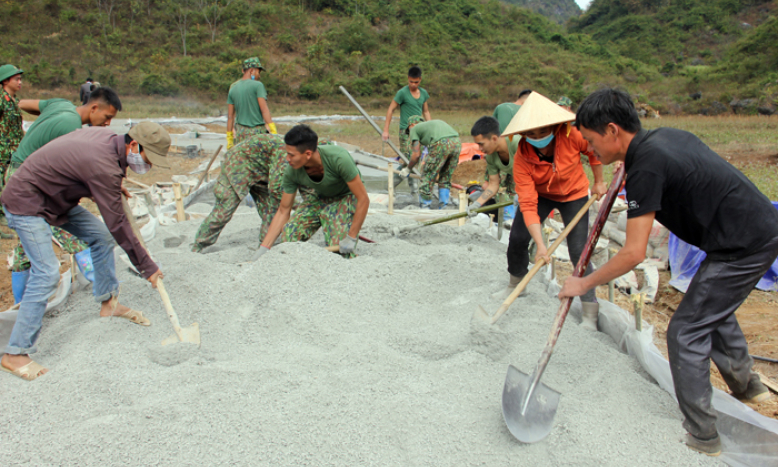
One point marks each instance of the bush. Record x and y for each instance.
(154, 84)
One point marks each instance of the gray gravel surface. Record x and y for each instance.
(311, 359)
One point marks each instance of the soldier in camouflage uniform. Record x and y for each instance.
(338, 202)
(247, 110)
(11, 131)
(441, 162)
(256, 167)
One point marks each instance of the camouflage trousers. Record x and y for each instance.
(241, 132)
(228, 199)
(69, 242)
(441, 161)
(334, 215)
(405, 144)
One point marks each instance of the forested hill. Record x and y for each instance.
(469, 49)
(717, 50)
(674, 31)
(675, 55)
(558, 11)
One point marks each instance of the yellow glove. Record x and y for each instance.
(272, 127)
(230, 142)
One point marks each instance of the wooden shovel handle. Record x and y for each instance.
(208, 167)
(523, 284)
(171, 313)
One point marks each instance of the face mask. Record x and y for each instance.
(137, 164)
(540, 143)
(253, 77)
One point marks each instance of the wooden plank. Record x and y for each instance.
(180, 213)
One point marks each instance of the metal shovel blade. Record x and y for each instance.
(538, 418)
(190, 334)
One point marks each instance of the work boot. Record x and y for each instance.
(710, 447)
(425, 203)
(503, 294)
(444, 195)
(755, 393)
(589, 313)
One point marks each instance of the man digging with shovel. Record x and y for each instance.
(499, 163)
(46, 191)
(441, 162)
(255, 166)
(549, 175)
(338, 204)
(675, 178)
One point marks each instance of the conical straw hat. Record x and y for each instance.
(536, 112)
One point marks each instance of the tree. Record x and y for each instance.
(212, 11)
(181, 12)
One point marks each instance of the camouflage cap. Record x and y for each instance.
(414, 119)
(6, 71)
(252, 62)
(565, 101)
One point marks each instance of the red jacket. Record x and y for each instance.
(563, 180)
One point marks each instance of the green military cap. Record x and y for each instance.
(565, 101)
(252, 62)
(413, 120)
(6, 71)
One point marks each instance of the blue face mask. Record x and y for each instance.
(540, 143)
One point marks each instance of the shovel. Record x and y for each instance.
(482, 315)
(398, 230)
(190, 333)
(529, 406)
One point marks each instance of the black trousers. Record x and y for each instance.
(518, 242)
(704, 327)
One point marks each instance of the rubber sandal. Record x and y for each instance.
(28, 372)
(136, 317)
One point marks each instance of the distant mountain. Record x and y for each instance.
(558, 11)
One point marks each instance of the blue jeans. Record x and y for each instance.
(35, 236)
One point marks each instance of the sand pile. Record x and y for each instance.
(311, 359)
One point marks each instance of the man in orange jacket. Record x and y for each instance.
(548, 174)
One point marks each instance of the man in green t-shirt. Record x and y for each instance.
(56, 117)
(247, 110)
(256, 167)
(412, 100)
(499, 152)
(441, 161)
(339, 200)
(504, 112)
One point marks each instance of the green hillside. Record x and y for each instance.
(670, 32)
(469, 49)
(559, 11)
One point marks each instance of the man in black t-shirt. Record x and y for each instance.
(675, 178)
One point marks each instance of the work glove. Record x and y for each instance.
(230, 142)
(348, 245)
(272, 127)
(405, 172)
(262, 250)
(516, 203)
(471, 209)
